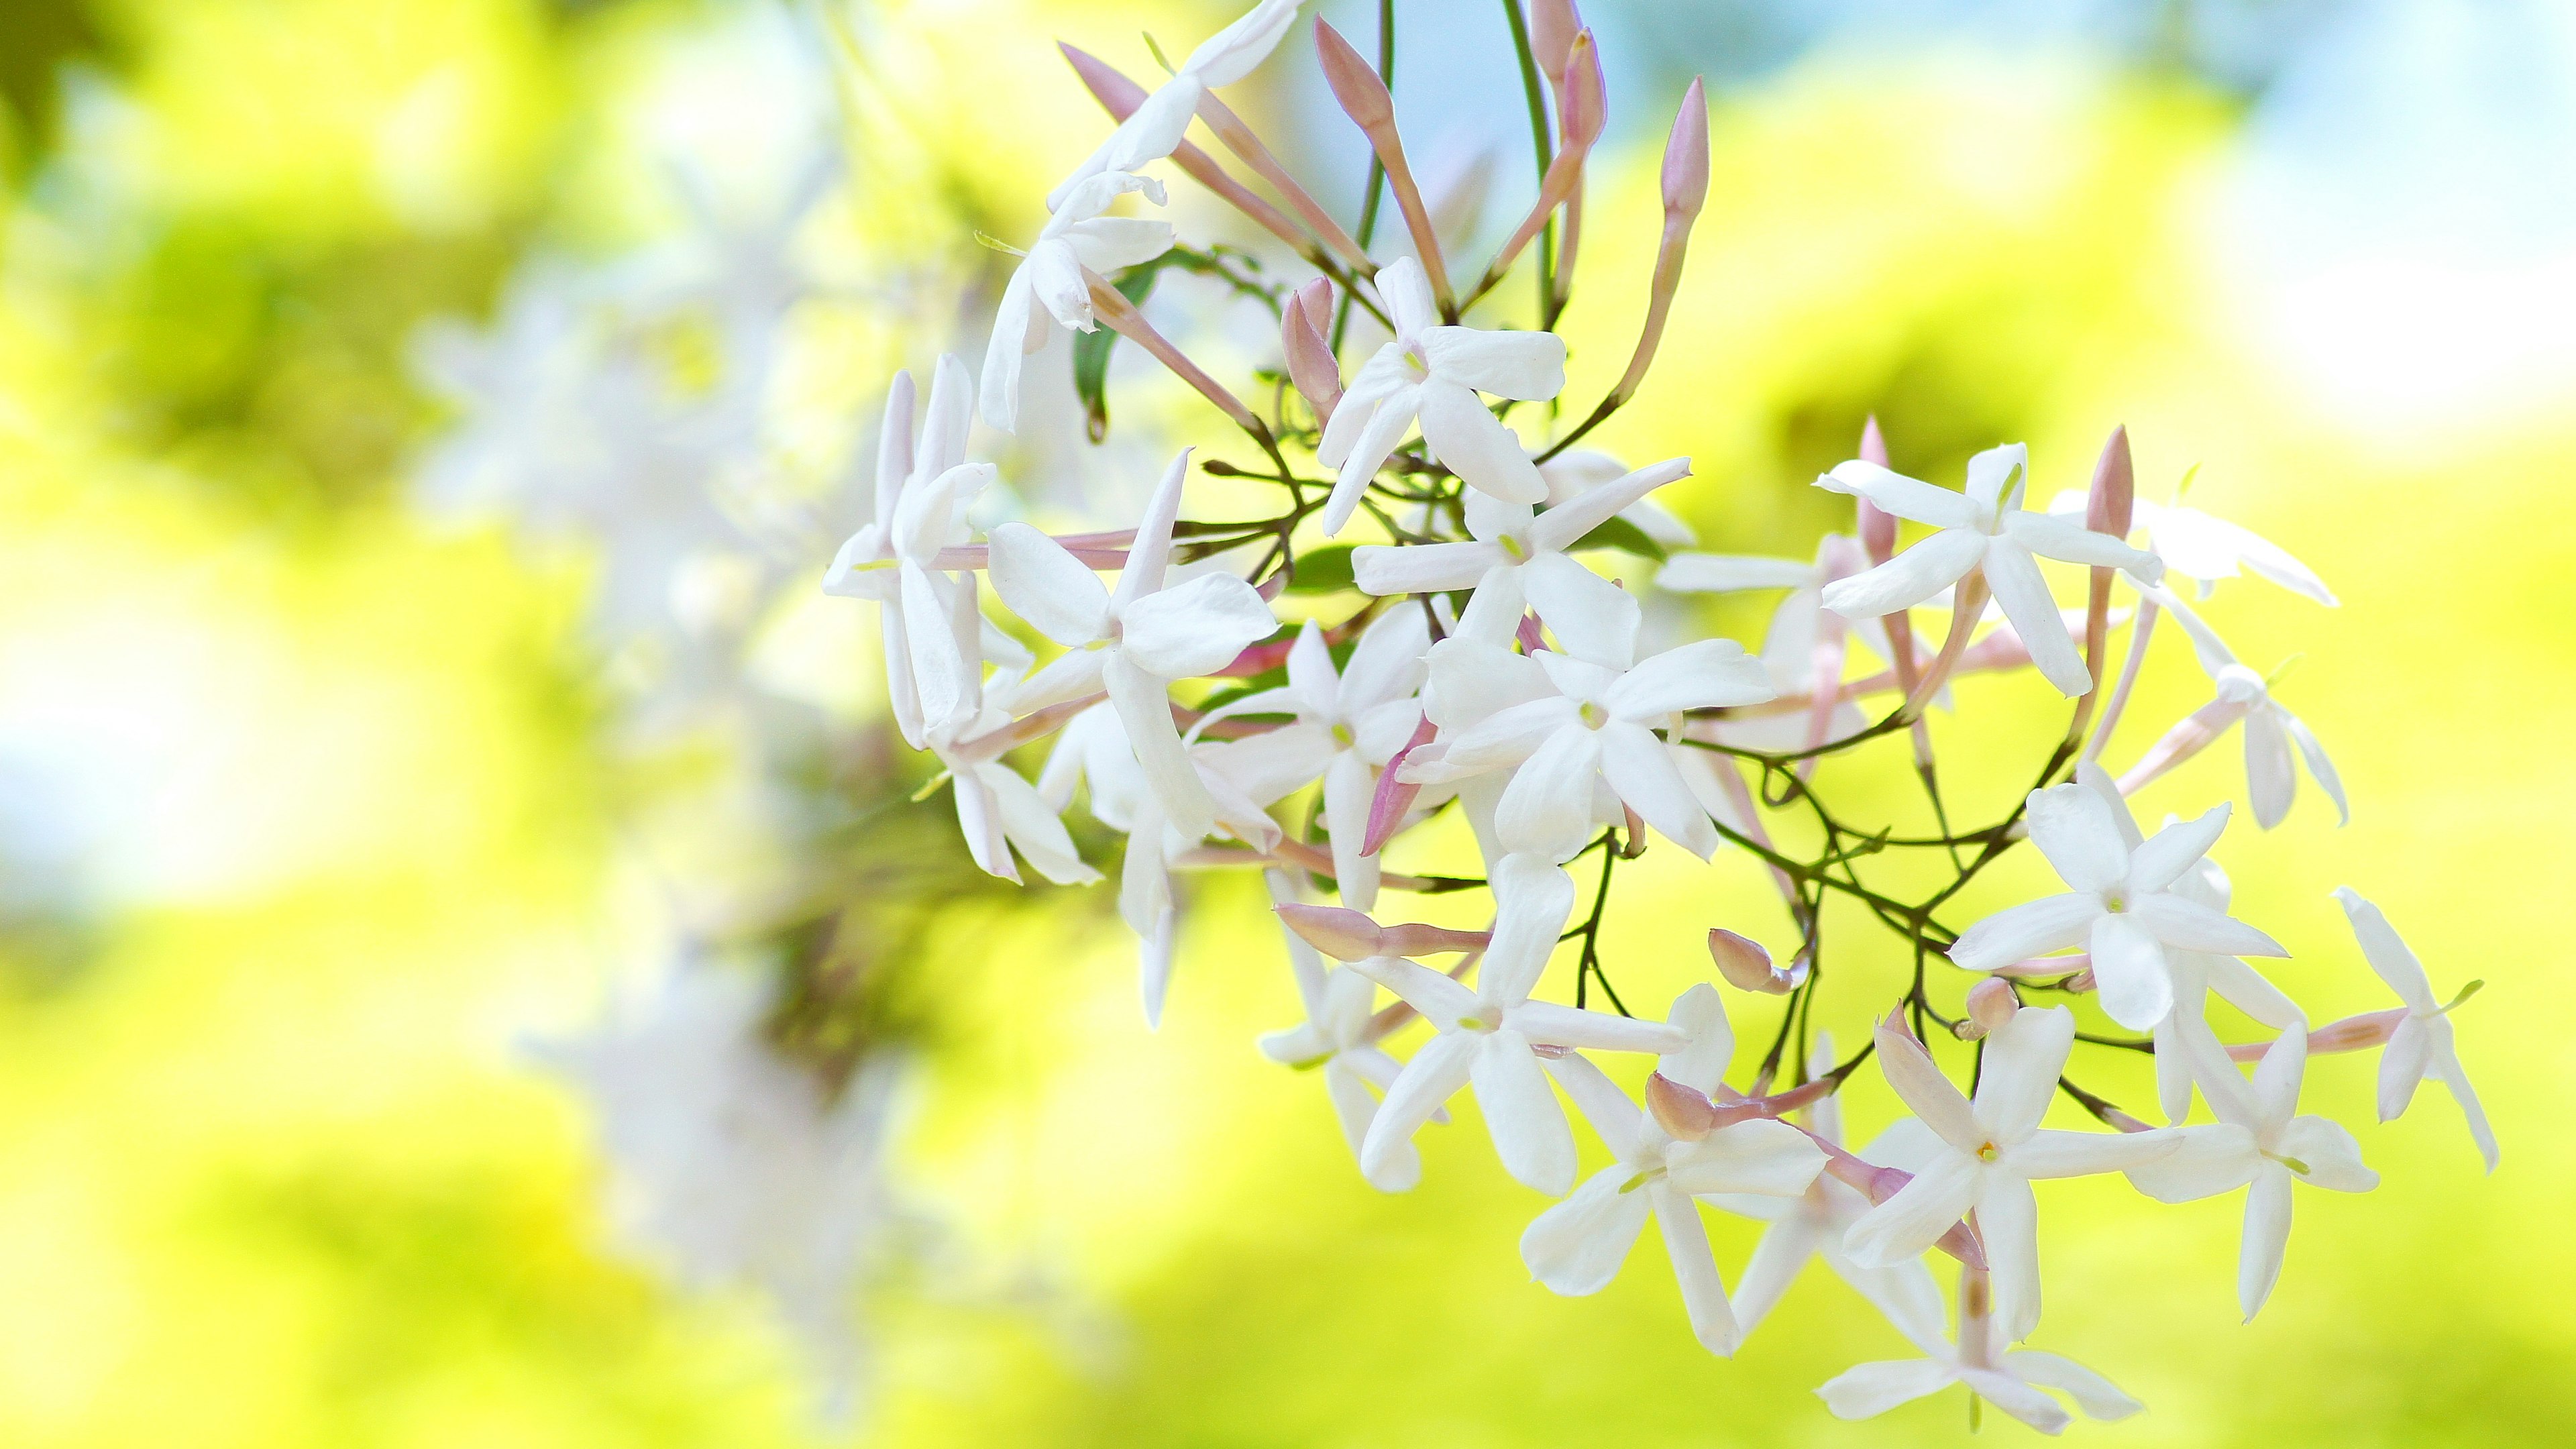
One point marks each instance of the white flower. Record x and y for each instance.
(1577, 1246)
(1154, 129)
(1488, 1037)
(1576, 471)
(1135, 642)
(1804, 639)
(1984, 529)
(1813, 1224)
(1521, 554)
(2195, 975)
(2010, 1381)
(2422, 1046)
(923, 488)
(2258, 1142)
(2271, 778)
(2120, 904)
(998, 811)
(2206, 549)
(1348, 724)
(1990, 1152)
(1048, 290)
(1432, 373)
(1340, 1036)
(1567, 726)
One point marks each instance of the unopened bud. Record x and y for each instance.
(1357, 86)
(1311, 365)
(1747, 966)
(1586, 96)
(1877, 525)
(1686, 156)
(1684, 1112)
(1348, 935)
(2113, 501)
(1553, 26)
(1991, 1004)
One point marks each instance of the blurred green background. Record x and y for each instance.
(320, 804)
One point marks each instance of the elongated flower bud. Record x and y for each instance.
(1311, 365)
(1584, 111)
(1553, 26)
(1363, 96)
(1685, 190)
(1747, 966)
(1877, 525)
(1349, 935)
(1120, 97)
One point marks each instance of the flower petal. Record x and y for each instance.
(1772, 1159)
(2079, 833)
(2129, 969)
(2195, 927)
(2177, 848)
(1578, 1246)
(2023, 594)
(1695, 1269)
(1422, 568)
(2097, 1396)
(1719, 573)
(2214, 1157)
(1566, 1026)
(1642, 774)
(1526, 366)
(1909, 578)
(1475, 445)
(1784, 1249)
(1867, 1390)
(2267, 1237)
(1146, 712)
(1566, 523)
(2332, 1156)
(1521, 1114)
(1435, 1074)
(2050, 1153)
(1931, 1096)
(1532, 899)
(1893, 492)
(2008, 1224)
(1703, 675)
(1055, 592)
(1910, 1222)
(2386, 951)
(2018, 1077)
(1547, 808)
(1594, 619)
(2029, 929)
(1195, 628)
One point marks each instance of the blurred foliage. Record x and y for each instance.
(277, 1176)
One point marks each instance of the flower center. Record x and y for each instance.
(1989, 1152)
(2115, 902)
(1593, 715)
(1513, 548)
(1641, 1179)
(1342, 736)
(1474, 1023)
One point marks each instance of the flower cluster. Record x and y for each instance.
(1459, 655)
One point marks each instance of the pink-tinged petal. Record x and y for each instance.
(2195, 927)
(1704, 675)
(2129, 970)
(2401, 1066)
(1528, 1128)
(1194, 628)
(1642, 774)
(2097, 1396)
(2019, 1076)
(1695, 1269)
(2213, 1157)
(1548, 1023)
(1717, 573)
(1394, 798)
(1578, 1246)
(2024, 597)
(1055, 592)
(2386, 951)
(2175, 849)
(2008, 1223)
(1785, 1247)
(2081, 1154)
(1434, 1075)
(2267, 1237)
(1565, 524)
(1532, 899)
(1902, 496)
(1767, 1158)
(1476, 446)
(1547, 808)
(1594, 618)
(1868, 1390)
(1909, 578)
(1909, 1223)
(1526, 366)
(2048, 924)
(1422, 568)
(2332, 1157)
(1909, 1069)
(2079, 833)
(1146, 712)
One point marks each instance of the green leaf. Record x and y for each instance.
(1324, 570)
(1619, 533)
(1091, 352)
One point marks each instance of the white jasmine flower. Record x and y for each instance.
(2259, 1142)
(2010, 1381)
(1348, 723)
(1489, 1037)
(1573, 724)
(2196, 974)
(1135, 642)
(2121, 904)
(1983, 529)
(1340, 1036)
(1577, 471)
(1155, 128)
(999, 811)
(2271, 778)
(1432, 374)
(2421, 1049)
(923, 488)
(1814, 1223)
(2205, 549)
(1991, 1151)
(1577, 1246)
(1522, 552)
(1803, 641)
(1049, 291)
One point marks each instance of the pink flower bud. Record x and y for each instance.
(1393, 798)
(1991, 1004)
(1553, 26)
(1746, 965)
(1684, 1112)
(1348, 935)
(1311, 364)
(1686, 156)
(1586, 96)
(1355, 83)
(1877, 525)
(2108, 508)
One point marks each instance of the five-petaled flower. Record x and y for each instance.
(2421, 1048)
(1050, 290)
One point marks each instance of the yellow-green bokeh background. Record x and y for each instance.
(274, 1170)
